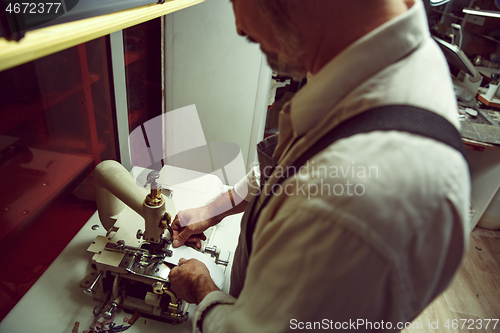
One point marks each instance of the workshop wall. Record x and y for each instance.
(218, 71)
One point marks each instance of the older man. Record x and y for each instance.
(374, 226)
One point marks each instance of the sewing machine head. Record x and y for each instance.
(130, 267)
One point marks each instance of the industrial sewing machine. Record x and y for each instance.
(129, 266)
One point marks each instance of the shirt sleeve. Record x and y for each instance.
(249, 186)
(224, 303)
(303, 268)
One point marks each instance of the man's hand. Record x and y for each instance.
(189, 225)
(191, 280)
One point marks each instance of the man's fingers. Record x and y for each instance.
(176, 223)
(180, 239)
(200, 235)
(197, 237)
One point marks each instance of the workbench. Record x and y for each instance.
(478, 134)
(56, 302)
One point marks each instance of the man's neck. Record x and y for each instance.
(331, 31)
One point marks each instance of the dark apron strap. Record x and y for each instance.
(265, 150)
(385, 118)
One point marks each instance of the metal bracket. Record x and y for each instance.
(215, 253)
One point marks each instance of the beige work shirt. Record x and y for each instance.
(376, 226)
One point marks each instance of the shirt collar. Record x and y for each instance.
(361, 60)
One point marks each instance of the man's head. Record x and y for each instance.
(268, 24)
(300, 36)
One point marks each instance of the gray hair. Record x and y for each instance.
(277, 11)
(290, 61)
